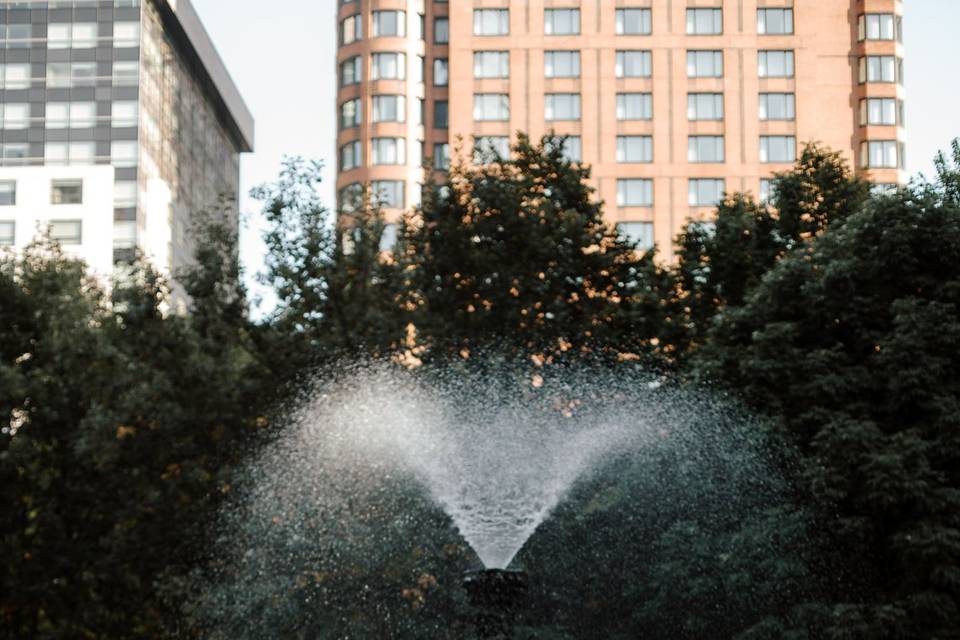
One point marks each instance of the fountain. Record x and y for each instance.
(362, 505)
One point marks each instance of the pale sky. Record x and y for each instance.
(282, 56)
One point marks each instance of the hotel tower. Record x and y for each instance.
(671, 102)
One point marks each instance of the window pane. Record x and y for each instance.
(562, 106)
(561, 64)
(634, 192)
(491, 64)
(633, 64)
(561, 21)
(634, 106)
(633, 21)
(638, 233)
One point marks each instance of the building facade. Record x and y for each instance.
(671, 102)
(118, 120)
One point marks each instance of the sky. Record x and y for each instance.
(282, 55)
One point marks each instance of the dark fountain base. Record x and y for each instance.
(498, 595)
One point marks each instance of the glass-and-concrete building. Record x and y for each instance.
(672, 102)
(117, 120)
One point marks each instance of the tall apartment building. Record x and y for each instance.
(672, 102)
(118, 120)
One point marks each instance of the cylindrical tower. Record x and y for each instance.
(386, 117)
(879, 143)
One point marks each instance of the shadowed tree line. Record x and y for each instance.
(830, 314)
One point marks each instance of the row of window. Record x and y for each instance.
(778, 149)
(390, 65)
(70, 232)
(71, 192)
(630, 149)
(628, 21)
(67, 74)
(70, 35)
(123, 153)
(631, 192)
(630, 106)
(69, 115)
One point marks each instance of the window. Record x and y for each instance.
(14, 115)
(389, 237)
(441, 114)
(488, 149)
(777, 106)
(704, 64)
(351, 156)
(8, 193)
(388, 151)
(125, 194)
(766, 191)
(124, 234)
(350, 114)
(351, 71)
(561, 64)
(635, 192)
(389, 23)
(441, 30)
(884, 188)
(637, 233)
(562, 106)
(388, 66)
(705, 106)
(441, 72)
(778, 148)
(388, 193)
(491, 22)
(73, 153)
(883, 111)
(441, 156)
(351, 29)
(124, 153)
(880, 26)
(704, 22)
(634, 64)
(14, 76)
(126, 34)
(705, 149)
(881, 69)
(420, 27)
(881, 154)
(15, 152)
(73, 74)
(66, 192)
(774, 21)
(389, 109)
(633, 22)
(126, 74)
(8, 233)
(561, 22)
(491, 106)
(634, 149)
(421, 111)
(78, 35)
(570, 147)
(491, 64)
(77, 115)
(634, 106)
(350, 197)
(66, 231)
(705, 192)
(125, 113)
(775, 64)
(16, 36)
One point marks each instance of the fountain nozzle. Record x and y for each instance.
(497, 594)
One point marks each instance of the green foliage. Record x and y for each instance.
(516, 251)
(831, 314)
(851, 342)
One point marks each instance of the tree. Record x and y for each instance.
(515, 251)
(852, 342)
(719, 264)
(332, 282)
